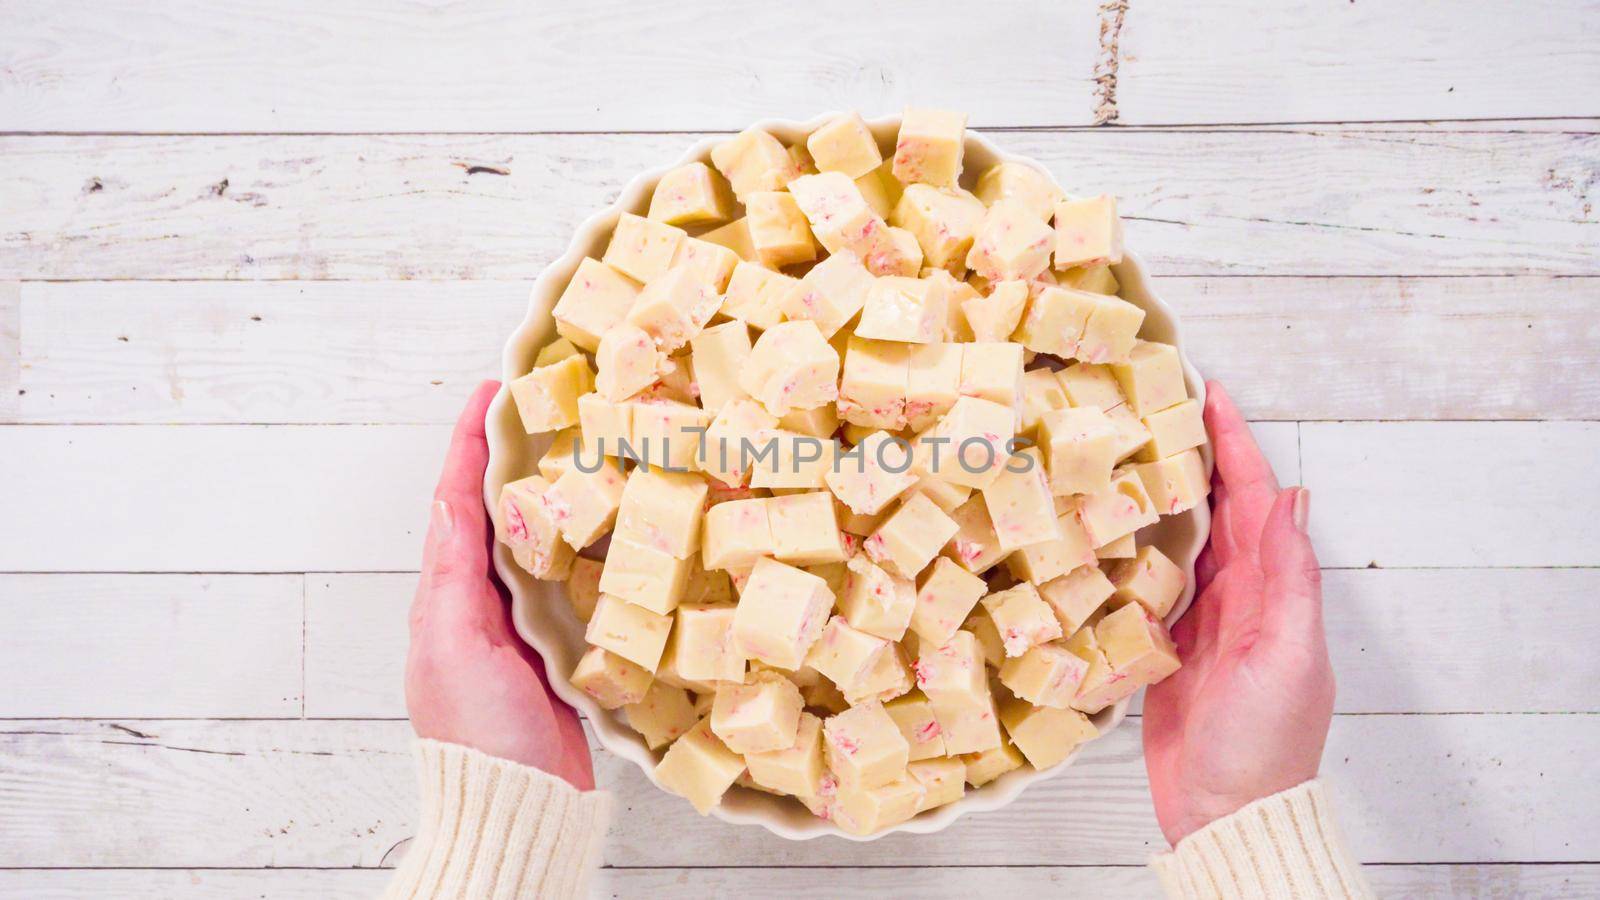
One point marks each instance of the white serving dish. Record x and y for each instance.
(545, 620)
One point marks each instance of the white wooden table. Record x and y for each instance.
(261, 249)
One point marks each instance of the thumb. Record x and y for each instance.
(1291, 610)
(457, 546)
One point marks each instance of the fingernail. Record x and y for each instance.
(444, 518)
(1302, 508)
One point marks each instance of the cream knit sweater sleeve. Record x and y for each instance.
(497, 830)
(1285, 845)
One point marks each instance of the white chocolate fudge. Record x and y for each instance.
(734, 236)
(945, 596)
(691, 194)
(1039, 563)
(987, 765)
(1046, 736)
(1022, 184)
(611, 680)
(988, 637)
(954, 669)
(1010, 243)
(929, 147)
(1019, 502)
(1132, 436)
(904, 309)
(875, 601)
(911, 537)
(754, 161)
(778, 229)
(845, 654)
(1149, 579)
(956, 327)
(944, 495)
(864, 748)
(547, 397)
(564, 446)
(644, 576)
(1080, 449)
(933, 383)
(792, 367)
(584, 504)
(975, 547)
(1125, 547)
(845, 145)
(665, 714)
(995, 317)
(699, 767)
(880, 188)
(1136, 645)
(1046, 675)
(864, 811)
(1122, 508)
(1022, 618)
(1076, 596)
(755, 295)
(702, 644)
(818, 421)
(798, 769)
(873, 390)
(642, 249)
(993, 372)
(607, 427)
(523, 523)
(1151, 377)
(663, 510)
(758, 716)
(1111, 332)
(712, 263)
(627, 361)
(1087, 384)
(1055, 319)
(781, 612)
(968, 724)
(871, 474)
(596, 298)
(1088, 232)
(1173, 430)
(804, 529)
(555, 351)
(1041, 393)
(943, 781)
(673, 307)
(1101, 687)
(839, 216)
(889, 677)
(1096, 279)
(630, 631)
(723, 454)
(786, 460)
(737, 534)
(913, 715)
(583, 587)
(943, 221)
(830, 294)
(1175, 484)
(968, 446)
(668, 434)
(720, 354)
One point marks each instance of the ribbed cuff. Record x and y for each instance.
(1285, 845)
(495, 829)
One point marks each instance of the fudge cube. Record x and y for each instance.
(699, 767)
(665, 713)
(607, 427)
(1111, 332)
(913, 715)
(734, 236)
(786, 460)
(987, 636)
(875, 601)
(944, 495)
(956, 327)
(564, 446)
(1151, 377)
(583, 587)
(1040, 563)
(796, 769)
(1045, 735)
(737, 534)
(1149, 579)
(1124, 547)
(706, 585)
(945, 596)
(673, 307)
(524, 524)
(781, 612)
(1132, 436)
(733, 438)
(611, 680)
(547, 397)
(702, 644)
(845, 145)
(992, 371)
(1076, 596)
(1101, 687)
(1095, 279)
(632, 632)
(840, 218)
(644, 576)
(1041, 393)
(929, 147)
(1010, 243)
(792, 367)
(888, 678)
(1175, 484)
(1046, 675)
(933, 383)
(642, 249)
(1137, 645)
(667, 434)
(1019, 502)
(755, 295)
(1087, 384)
(830, 294)
(818, 421)
(1088, 232)
(691, 194)
(720, 353)
(873, 390)
(1080, 449)
(554, 352)
(1021, 184)
(845, 654)
(627, 361)
(897, 308)
(712, 263)
(662, 510)
(1054, 320)
(975, 547)
(986, 765)
(880, 188)
(758, 716)
(943, 221)
(778, 229)
(1022, 617)
(584, 504)
(804, 529)
(859, 811)
(864, 748)
(753, 161)
(872, 473)
(968, 724)
(596, 298)
(968, 446)
(911, 537)
(1122, 508)
(953, 669)
(943, 781)
(995, 317)
(1173, 430)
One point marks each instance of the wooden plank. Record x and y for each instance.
(1240, 62)
(1474, 494)
(245, 794)
(261, 352)
(193, 884)
(10, 350)
(290, 65)
(1385, 202)
(357, 632)
(150, 645)
(217, 498)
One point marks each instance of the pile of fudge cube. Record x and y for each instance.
(929, 573)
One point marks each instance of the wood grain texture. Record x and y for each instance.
(10, 350)
(150, 645)
(1278, 201)
(367, 66)
(356, 638)
(1473, 494)
(1351, 62)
